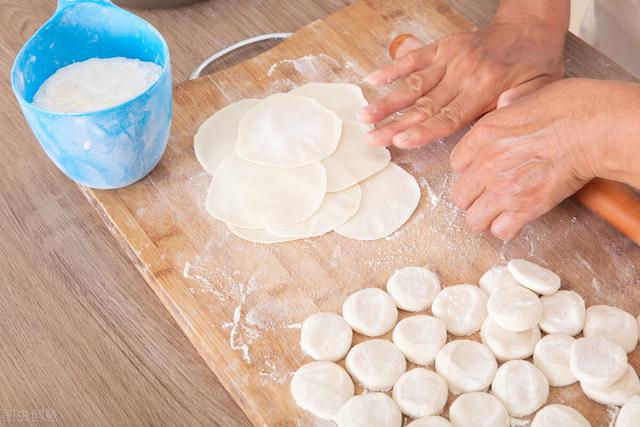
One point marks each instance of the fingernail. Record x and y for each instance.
(373, 78)
(401, 139)
(500, 228)
(364, 115)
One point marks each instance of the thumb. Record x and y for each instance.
(512, 95)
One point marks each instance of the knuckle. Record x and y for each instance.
(451, 115)
(415, 83)
(426, 107)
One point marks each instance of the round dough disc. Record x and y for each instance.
(496, 279)
(376, 364)
(535, 277)
(612, 323)
(370, 312)
(556, 415)
(597, 361)
(562, 313)
(420, 338)
(288, 131)
(617, 393)
(508, 345)
(370, 410)
(521, 387)
(466, 365)
(388, 200)
(462, 308)
(354, 160)
(478, 410)
(326, 336)
(344, 99)
(420, 392)
(257, 235)
(335, 210)
(552, 356)
(216, 137)
(250, 195)
(629, 413)
(413, 288)
(321, 388)
(516, 309)
(433, 421)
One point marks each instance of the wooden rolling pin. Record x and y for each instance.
(614, 202)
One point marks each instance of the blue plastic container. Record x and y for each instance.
(108, 148)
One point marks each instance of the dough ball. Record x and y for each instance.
(515, 309)
(321, 388)
(420, 392)
(535, 277)
(370, 312)
(613, 323)
(420, 338)
(344, 99)
(286, 130)
(216, 137)
(562, 313)
(507, 345)
(521, 387)
(354, 160)
(478, 410)
(326, 336)
(466, 365)
(552, 356)
(556, 415)
(617, 393)
(388, 201)
(497, 278)
(597, 361)
(376, 364)
(413, 288)
(433, 421)
(462, 308)
(629, 413)
(370, 410)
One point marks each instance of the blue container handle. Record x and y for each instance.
(64, 3)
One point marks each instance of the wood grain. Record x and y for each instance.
(237, 301)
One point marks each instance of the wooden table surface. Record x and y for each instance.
(84, 339)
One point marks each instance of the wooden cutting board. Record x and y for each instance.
(240, 303)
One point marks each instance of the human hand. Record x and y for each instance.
(520, 161)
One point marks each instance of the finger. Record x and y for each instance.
(467, 148)
(411, 62)
(483, 211)
(467, 189)
(509, 224)
(383, 135)
(412, 88)
(512, 95)
(404, 44)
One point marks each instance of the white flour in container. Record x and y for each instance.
(95, 84)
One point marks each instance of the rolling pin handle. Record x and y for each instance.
(395, 44)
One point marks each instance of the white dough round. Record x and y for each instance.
(216, 137)
(335, 210)
(597, 361)
(326, 336)
(370, 410)
(515, 309)
(388, 200)
(433, 421)
(535, 277)
(354, 160)
(376, 364)
(562, 313)
(629, 413)
(466, 365)
(618, 393)
(420, 338)
(496, 279)
(462, 308)
(344, 99)
(370, 312)
(521, 387)
(288, 131)
(250, 195)
(413, 288)
(321, 388)
(612, 323)
(478, 410)
(556, 415)
(552, 356)
(257, 235)
(420, 392)
(508, 345)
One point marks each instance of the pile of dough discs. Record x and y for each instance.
(295, 165)
(533, 336)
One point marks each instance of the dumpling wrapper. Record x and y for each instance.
(388, 201)
(216, 137)
(257, 235)
(288, 131)
(344, 99)
(250, 195)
